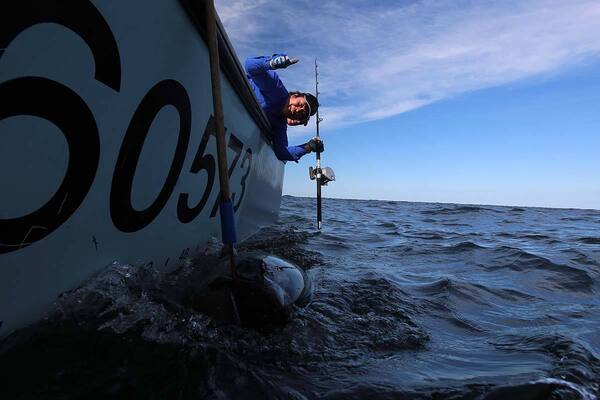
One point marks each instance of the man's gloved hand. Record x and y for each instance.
(315, 144)
(281, 61)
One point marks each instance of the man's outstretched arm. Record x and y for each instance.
(260, 65)
(257, 65)
(261, 71)
(266, 80)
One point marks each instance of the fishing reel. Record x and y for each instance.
(327, 174)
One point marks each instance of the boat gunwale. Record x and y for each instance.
(230, 65)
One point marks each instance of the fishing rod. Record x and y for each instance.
(322, 175)
(318, 156)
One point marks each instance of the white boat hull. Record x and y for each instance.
(107, 147)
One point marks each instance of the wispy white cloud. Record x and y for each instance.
(379, 59)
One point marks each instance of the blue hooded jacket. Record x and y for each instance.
(272, 96)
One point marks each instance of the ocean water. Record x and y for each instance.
(412, 300)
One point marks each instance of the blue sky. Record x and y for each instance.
(483, 102)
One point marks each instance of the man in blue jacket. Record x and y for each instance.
(282, 108)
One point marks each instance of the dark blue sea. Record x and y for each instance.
(411, 301)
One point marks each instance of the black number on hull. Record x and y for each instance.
(201, 162)
(236, 145)
(79, 16)
(60, 105)
(124, 216)
(64, 108)
(247, 156)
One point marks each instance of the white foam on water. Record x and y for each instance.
(585, 394)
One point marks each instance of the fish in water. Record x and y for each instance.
(263, 292)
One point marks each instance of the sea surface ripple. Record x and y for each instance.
(412, 300)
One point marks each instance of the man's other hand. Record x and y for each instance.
(315, 144)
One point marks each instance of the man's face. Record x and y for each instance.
(297, 108)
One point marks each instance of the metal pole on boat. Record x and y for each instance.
(228, 232)
(318, 169)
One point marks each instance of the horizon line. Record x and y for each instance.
(440, 202)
